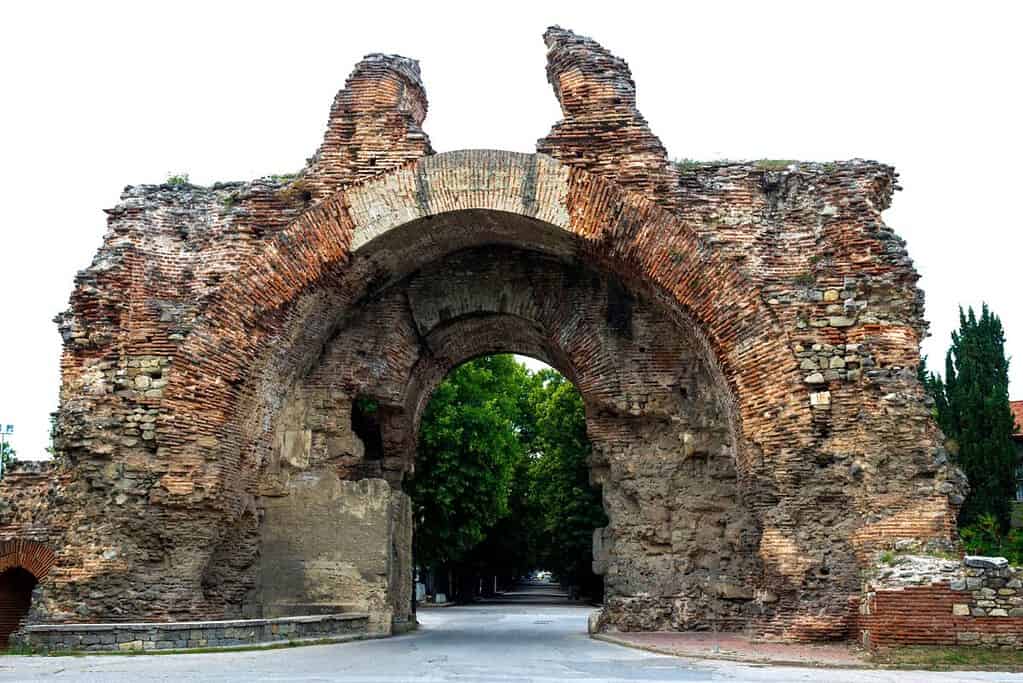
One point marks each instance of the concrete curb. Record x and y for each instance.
(433, 605)
(212, 650)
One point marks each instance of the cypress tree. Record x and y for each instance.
(972, 406)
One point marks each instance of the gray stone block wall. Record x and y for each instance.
(187, 635)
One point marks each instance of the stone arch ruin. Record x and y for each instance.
(744, 335)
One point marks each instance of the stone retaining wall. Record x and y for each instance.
(929, 601)
(190, 634)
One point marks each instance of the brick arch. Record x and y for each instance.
(17, 557)
(643, 380)
(31, 556)
(462, 340)
(372, 232)
(455, 342)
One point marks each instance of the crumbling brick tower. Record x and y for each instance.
(745, 338)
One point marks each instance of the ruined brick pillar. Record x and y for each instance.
(602, 131)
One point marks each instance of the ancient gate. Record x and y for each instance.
(744, 335)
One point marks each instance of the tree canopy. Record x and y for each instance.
(468, 452)
(568, 507)
(502, 474)
(7, 456)
(972, 408)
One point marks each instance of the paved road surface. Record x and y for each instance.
(503, 643)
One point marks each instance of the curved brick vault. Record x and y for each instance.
(744, 336)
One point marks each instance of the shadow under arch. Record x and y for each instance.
(664, 449)
(352, 244)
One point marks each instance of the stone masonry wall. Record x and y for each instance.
(916, 600)
(30, 492)
(189, 635)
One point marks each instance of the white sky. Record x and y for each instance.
(96, 96)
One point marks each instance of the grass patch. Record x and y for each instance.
(938, 658)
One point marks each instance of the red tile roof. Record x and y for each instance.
(1017, 412)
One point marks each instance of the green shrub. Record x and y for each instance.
(805, 279)
(985, 537)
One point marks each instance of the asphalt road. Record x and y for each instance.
(505, 643)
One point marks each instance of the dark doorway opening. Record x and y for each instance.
(16, 585)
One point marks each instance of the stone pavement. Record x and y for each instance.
(506, 644)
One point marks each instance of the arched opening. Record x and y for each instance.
(379, 291)
(679, 550)
(502, 494)
(16, 586)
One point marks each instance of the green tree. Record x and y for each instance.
(972, 408)
(569, 508)
(502, 478)
(468, 454)
(7, 455)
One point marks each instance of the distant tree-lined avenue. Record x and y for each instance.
(502, 478)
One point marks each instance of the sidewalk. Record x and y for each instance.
(736, 647)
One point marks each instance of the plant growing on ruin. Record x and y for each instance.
(177, 179)
(686, 164)
(805, 279)
(774, 164)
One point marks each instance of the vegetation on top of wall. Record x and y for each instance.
(297, 190)
(805, 279)
(774, 164)
(687, 164)
(177, 179)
